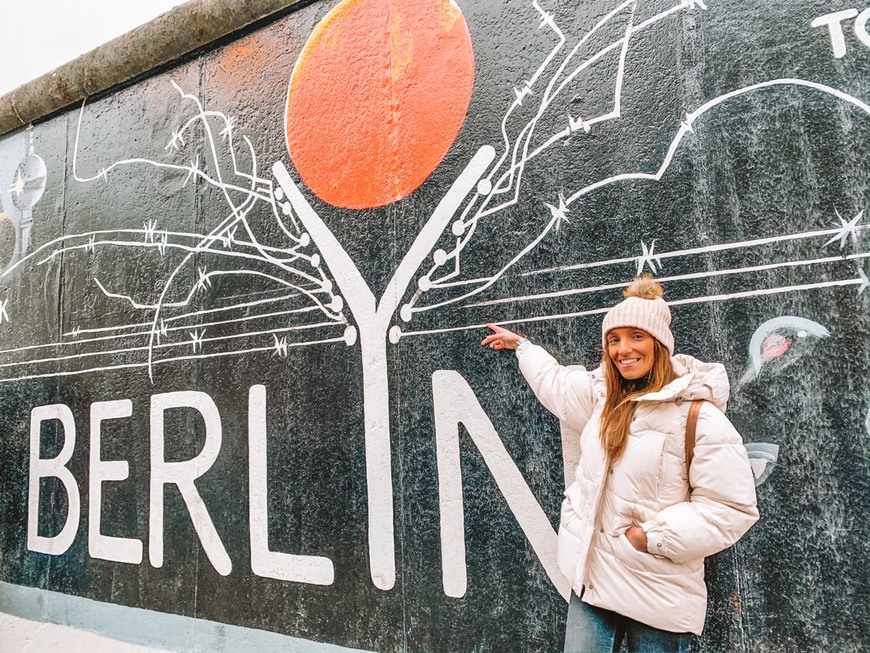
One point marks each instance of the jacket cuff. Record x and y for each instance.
(523, 345)
(655, 538)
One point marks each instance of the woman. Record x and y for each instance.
(636, 524)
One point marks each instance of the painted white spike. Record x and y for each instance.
(648, 258)
(560, 212)
(864, 282)
(847, 230)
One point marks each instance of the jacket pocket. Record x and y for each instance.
(569, 544)
(644, 562)
(567, 552)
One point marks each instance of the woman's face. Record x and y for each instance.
(632, 351)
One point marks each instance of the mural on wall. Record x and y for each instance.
(776, 343)
(23, 194)
(370, 115)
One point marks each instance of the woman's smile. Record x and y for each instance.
(632, 350)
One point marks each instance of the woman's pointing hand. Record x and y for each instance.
(501, 338)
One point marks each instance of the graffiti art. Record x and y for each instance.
(259, 280)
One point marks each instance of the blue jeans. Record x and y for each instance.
(593, 630)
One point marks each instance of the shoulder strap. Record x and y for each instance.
(691, 426)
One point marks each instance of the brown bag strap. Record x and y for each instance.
(691, 426)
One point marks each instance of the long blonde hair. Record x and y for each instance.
(619, 406)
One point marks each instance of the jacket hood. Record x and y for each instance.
(695, 380)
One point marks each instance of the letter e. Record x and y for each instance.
(119, 549)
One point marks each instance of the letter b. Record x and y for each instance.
(43, 467)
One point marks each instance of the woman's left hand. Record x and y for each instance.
(637, 537)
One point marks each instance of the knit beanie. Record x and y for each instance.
(642, 308)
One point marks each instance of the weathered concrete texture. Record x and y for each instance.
(19, 635)
(34, 620)
(169, 37)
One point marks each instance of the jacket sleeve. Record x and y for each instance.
(722, 506)
(566, 392)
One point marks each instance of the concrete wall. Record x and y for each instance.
(241, 301)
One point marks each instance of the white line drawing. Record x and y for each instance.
(769, 343)
(291, 263)
(678, 302)
(762, 459)
(25, 191)
(648, 257)
(314, 271)
(4, 314)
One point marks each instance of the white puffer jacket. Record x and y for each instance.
(648, 486)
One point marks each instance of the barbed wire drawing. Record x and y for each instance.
(294, 272)
(313, 282)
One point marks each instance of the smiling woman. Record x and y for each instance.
(642, 512)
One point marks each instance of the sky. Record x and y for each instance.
(37, 36)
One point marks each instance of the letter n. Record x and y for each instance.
(454, 402)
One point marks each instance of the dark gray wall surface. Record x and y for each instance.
(757, 222)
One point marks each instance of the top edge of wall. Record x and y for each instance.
(169, 37)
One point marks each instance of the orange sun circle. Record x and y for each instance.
(377, 97)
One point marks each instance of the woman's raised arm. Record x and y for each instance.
(564, 391)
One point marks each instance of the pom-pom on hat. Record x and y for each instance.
(642, 308)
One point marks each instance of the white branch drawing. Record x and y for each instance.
(225, 253)
(518, 155)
